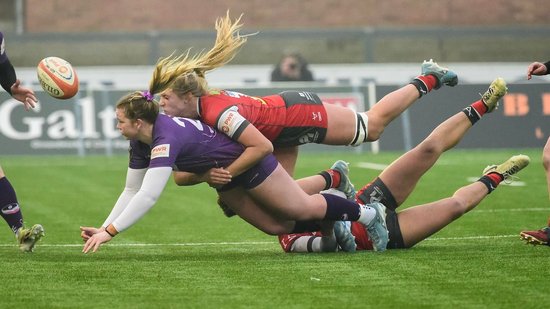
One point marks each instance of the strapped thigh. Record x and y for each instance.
(361, 129)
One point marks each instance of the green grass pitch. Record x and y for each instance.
(185, 254)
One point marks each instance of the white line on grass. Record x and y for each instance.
(472, 237)
(372, 166)
(251, 243)
(547, 209)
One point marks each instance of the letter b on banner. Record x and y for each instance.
(516, 104)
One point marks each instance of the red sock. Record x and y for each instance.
(480, 107)
(335, 178)
(429, 80)
(496, 178)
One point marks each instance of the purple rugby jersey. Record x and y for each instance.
(185, 145)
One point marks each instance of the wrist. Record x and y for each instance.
(547, 65)
(111, 230)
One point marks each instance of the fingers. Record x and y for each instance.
(86, 229)
(92, 244)
(97, 244)
(530, 70)
(95, 241)
(87, 245)
(218, 176)
(31, 100)
(85, 236)
(536, 68)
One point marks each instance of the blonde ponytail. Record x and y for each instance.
(167, 70)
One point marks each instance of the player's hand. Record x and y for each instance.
(87, 231)
(23, 95)
(217, 177)
(95, 241)
(536, 68)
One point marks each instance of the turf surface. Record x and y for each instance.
(185, 254)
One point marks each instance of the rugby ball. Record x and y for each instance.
(57, 77)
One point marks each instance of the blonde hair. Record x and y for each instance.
(184, 73)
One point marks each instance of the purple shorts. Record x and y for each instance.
(253, 176)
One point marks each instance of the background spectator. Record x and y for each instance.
(291, 67)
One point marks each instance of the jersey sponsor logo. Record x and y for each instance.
(10, 209)
(160, 151)
(227, 121)
(230, 121)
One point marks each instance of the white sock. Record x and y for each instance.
(367, 214)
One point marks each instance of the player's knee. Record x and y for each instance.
(375, 128)
(375, 133)
(457, 207)
(429, 147)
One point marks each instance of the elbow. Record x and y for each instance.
(267, 149)
(149, 197)
(261, 150)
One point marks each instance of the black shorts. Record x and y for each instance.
(306, 119)
(376, 191)
(394, 231)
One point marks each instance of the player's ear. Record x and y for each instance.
(139, 123)
(188, 96)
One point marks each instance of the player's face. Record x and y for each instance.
(127, 127)
(172, 105)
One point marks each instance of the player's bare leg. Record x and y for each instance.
(403, 174)
(419, 222)
(346, 127)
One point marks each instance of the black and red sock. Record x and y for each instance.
(491, 181)
(424, 84)
(332, 178)
(475, 111)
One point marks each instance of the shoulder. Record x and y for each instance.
(212, 106)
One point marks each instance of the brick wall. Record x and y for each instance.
(146, 15)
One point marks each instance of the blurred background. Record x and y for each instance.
(357, 49)
(137, 32)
